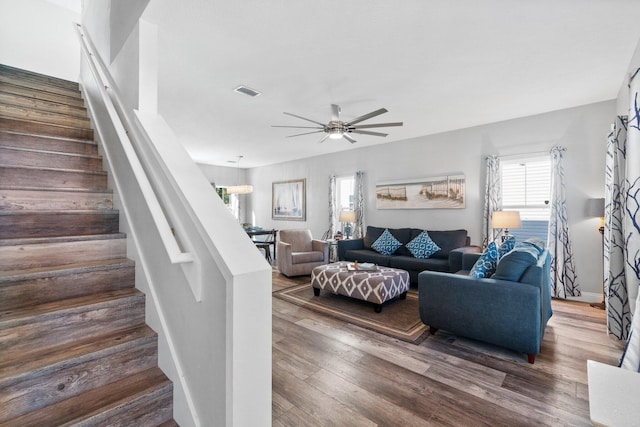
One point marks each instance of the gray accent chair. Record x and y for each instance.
(298, 253)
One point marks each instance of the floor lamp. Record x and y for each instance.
(595, 208)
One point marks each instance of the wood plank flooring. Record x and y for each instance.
(329, 373)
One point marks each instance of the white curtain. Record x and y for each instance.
(359, 229)
(331, 231)
(492, 199)
(631, 225)
(563, 272)
(615, 283)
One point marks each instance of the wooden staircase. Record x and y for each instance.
(74, 346)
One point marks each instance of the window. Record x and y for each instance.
(526, 187)
(345, 199)
(229, 200)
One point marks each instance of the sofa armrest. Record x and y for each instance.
(347, 245)
(468, 259)
(321, 246)
(496, 311)
(456, 255)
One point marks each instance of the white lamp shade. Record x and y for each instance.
(347, 216)
(506, 219)
(240, 189)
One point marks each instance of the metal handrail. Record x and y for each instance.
(176, 255)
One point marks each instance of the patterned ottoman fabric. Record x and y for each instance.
(376, 286)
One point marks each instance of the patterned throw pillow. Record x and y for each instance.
(485, 266)
(507, 245)
(386, 244)
(422, 246)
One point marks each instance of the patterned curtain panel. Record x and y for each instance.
(492, 199)
(359, 228)
(631, 225)
(331, 231)
(615, 283)
(563, 272)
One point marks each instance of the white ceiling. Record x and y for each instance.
(436, 65)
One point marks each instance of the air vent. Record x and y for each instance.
(247, 91)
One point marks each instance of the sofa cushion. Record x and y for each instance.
(485, 266)
(304, 257)
(448, 241)
(371, 236)
(422, 246)
(366, 255)
(410, 263)
(513, 265)
(386, 244)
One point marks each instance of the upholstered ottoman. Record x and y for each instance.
(376, 286)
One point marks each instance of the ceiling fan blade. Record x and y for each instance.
(366, 132)
(304, 118)
(322, 140)
(306, 133)
(377, 125)
(366, 116)
(335, 112)
(348, 138)
(298, 127)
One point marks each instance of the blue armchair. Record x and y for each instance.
(510, 309)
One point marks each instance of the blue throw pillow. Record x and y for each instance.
(386, 244)
(513, 265)
(485, 266)
(422, 246)
(507, 244)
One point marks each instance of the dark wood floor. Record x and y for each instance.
(329, 373)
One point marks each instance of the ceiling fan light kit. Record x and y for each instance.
(337, 128)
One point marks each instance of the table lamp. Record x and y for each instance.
(347, 217)
(506, 220)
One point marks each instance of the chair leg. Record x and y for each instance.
(432, 330)
(531, 358)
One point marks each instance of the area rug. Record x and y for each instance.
(398, 319)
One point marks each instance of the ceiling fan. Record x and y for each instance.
(337, 129)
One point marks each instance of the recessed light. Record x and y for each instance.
(247, 91)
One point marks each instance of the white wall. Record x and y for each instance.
(38, 36)
(223, 176)
(581, 130)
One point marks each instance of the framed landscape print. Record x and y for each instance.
(438, 192)
(289, 200)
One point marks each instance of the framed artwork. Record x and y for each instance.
(289, 200)
(438, 192)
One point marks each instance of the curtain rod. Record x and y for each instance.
(530, 154)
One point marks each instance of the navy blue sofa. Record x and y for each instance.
(510, 309)
(453, 244)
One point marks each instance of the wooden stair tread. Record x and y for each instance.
(35, 93)
(14, 367)
(36, 114)
(19, 100)
(59, 239)
(54, 189)
(45, 136)
(28, 74)
(43, 122)
(61, 270)
(92, 406)
(56, 153)
(10, 318)
(73, 93)
(35, 168)
(59, 212)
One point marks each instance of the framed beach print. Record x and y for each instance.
(437, 192)
(289, 200)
